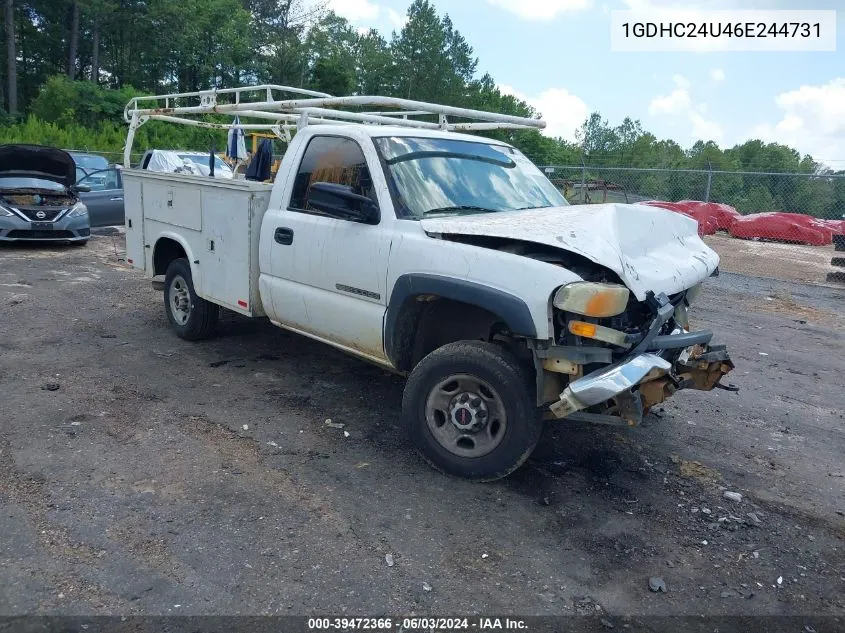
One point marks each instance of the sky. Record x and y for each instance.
(556, 55)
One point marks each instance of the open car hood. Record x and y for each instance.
(37, 161)
(648, 247)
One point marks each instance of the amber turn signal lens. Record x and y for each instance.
(599, 333)
(579, 328)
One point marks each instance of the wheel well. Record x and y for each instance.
(166, 250)
(428, 322)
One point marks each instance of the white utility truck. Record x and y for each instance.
(446, 257)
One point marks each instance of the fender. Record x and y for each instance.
(195, 271)
(512, 309)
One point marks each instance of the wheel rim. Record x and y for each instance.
(466, 415)
(180, 300)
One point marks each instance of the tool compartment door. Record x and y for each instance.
(134, 222)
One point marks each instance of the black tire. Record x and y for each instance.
(199, 318)
(509, 380)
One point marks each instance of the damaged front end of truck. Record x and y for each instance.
(617, 357)
(620, 340)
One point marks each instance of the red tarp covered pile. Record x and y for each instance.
(787, 227)
(711, 216)
(776, 225)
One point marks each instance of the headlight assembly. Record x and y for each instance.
(79, 210)
(592, 299)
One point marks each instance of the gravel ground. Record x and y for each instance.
(790, 262)
(141, 474)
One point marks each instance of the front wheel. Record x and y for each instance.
(469, 409)
(190, 316)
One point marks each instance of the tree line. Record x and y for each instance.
(71, 65)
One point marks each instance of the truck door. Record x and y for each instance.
(327, 274)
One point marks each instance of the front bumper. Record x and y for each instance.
(658, 366)
(637, 383)
(15, 229)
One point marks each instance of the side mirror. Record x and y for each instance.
(82, 188)
(341, 202)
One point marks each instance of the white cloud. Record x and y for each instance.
(563, 111)
(398, 20)
(675, 102)
(813, 120)
(705, 130)
(541, 9)
(678, 105)
(717, 74)
(355, 10)
(681, 81)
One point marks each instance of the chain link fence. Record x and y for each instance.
(114, 158)
(820, 196)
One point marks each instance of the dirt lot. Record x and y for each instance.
(790, 262)
(140, 474)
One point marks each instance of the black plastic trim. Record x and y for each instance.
(511, 309)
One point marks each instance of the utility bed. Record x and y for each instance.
(217, 221)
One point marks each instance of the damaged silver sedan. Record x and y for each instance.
(39, 200)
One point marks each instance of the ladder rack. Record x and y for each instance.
(287, 109)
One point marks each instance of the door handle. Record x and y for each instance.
(283, 235)
(118, 198)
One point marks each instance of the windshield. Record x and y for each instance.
(30, 183)
(90, 161)
(202, 161)
(434, 176)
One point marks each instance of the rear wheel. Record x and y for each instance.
(469, 409)
(190, 316)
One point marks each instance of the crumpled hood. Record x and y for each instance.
(648, 247)
(37, 161)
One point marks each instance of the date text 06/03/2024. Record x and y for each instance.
(416, 624)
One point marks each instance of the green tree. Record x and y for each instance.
(65, 102)
(598, 140)
(331, 44)
(432, 58)
(373, 65)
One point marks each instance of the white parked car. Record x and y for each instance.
(445, 257)
(183, 162)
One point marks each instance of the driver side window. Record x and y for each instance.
(102, 180)
(335, 160)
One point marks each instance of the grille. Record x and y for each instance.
(49, 214)
(40, 235)
(637, 316)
